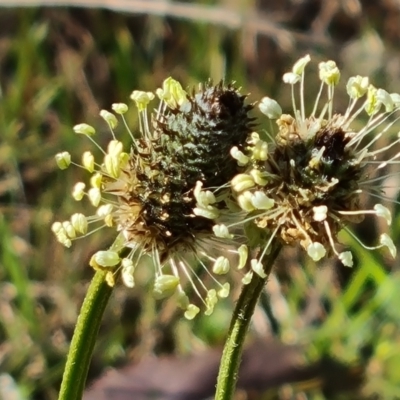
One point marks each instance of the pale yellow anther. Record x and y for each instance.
(245, 201)
(320, 213)
(384, 97)
(270, 108)
(357, 86)
(63, 160)
(299, 66)
(79, 222)
(106, 258)
(142, 99)
(191, 311)
(104, 210)
(243, 252)
(242, 182)
(316, 251)
(119, 108)
(115, 147)
(69, 229)
(211, 301)
(261, 201)
(372, 104)
(238, 155)
(172, 93)
(63, 238)
(78, 191)
(247, 278)
(208, 212)
(110, 118)
(222, 231)
(260, 151)
(385, 240)
(94, 195)
(95, 180)
(88, 161)
(291, 78)
(165, 285)
(56, 227)
(382, 211)
(260, 178)
(346, 258)
(84, 129)
(396, 99)
(258, 268)
(127, 270)
(112, 165)
(221, 266)
(223, 292)
(329, 73)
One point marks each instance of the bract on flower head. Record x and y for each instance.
(319, 167)
(164, 193)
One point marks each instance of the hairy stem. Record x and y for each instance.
(84, 338)
(232, 354)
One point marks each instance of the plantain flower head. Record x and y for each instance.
(163, 194)
(309, 180)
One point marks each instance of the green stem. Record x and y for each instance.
(84, 338)
(232, 354)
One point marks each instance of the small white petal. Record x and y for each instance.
(316, 251)
(346, 258)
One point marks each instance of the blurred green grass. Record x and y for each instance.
(59, 67)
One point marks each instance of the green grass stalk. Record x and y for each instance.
(232, 354)
(84, 338)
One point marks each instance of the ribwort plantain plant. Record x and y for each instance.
(198, 189)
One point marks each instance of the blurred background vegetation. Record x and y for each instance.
(59, 66)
